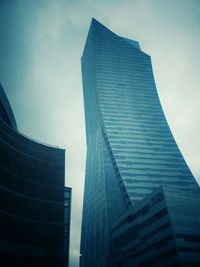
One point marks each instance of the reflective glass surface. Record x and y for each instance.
(130, 148)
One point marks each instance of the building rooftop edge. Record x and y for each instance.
(12, 122)
(133, 42)
(7, 109)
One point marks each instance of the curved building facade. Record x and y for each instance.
(130, 148)
(6, 113)
(31, 197)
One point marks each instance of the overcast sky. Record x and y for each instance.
(40, 48)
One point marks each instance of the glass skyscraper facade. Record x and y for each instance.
(34, 205)
(130, 153)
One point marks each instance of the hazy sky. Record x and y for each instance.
(40, 48)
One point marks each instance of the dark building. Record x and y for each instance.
(67, 219)
(131, 158)
(32, 214)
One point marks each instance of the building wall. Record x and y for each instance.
(6, 113)
(31, 201)
(67, 219)
(130, 148)
(144, 236)
(163, 229)
(101, 183)
(145, 151)
(184, 210)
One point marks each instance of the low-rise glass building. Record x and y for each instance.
(161, 230)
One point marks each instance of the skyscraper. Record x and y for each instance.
(132, 159)
(34, 215)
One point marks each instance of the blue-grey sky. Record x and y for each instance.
(40, 48)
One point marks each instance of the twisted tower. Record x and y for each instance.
(130, 148)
